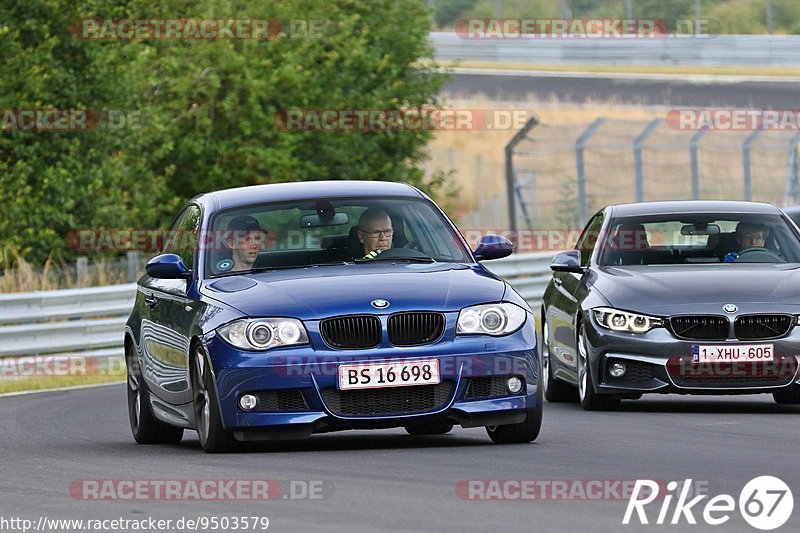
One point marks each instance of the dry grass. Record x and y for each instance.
(55, 382)
(56, 274)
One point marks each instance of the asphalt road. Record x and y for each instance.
(674, 92)
(390, 481)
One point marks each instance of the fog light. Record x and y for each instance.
(514, 385)
(617, 370)
(248, 402)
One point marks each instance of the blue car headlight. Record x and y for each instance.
(261, 334)
(625, 321)
(491, 319)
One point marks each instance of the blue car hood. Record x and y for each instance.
(318, 292)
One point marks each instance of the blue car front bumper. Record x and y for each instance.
(298, 387)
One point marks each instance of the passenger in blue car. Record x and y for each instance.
(245, 241)
(375, 232)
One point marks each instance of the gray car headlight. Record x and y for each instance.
(625, 321)
(491, 319)
(261, 334)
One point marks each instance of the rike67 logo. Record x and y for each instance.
(765, 503)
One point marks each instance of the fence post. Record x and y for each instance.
(527, 179)
(794, 172)
(747, 167)
(478, 186)
(82, 270)
(510, 181)
(695, 164)
(580, 144)
(133, 265)
(637, 157)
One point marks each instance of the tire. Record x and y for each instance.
(788, 396)
(524, 432)
(555, 390)
(145, 427)
(430, 428)
(589, 399)
(213, 436)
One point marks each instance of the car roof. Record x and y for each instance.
(304, 190)
(692, 206)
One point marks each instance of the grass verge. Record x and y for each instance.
(55, 382)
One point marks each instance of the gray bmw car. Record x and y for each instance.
(687, 297)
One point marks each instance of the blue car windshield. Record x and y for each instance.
(680, 239)
(329, 231)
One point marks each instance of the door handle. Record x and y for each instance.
(151, 300)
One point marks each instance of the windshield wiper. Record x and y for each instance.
(284, 267)
(417, 259)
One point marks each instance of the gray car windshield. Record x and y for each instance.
(329, 231)
(679, 239)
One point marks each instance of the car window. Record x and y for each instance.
(183, 236)
(700, 238)
(588, 238)
(314, 232)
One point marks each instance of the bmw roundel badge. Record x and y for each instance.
(380, 303)
(730, 308)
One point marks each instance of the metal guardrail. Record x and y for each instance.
(89, 322)
(56, 322)
(713, 50)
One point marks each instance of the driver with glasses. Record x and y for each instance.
(748, 235)
(375, 232)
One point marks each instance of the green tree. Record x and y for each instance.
(208, 109)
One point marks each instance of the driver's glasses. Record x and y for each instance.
(750, 240)
(386, 233)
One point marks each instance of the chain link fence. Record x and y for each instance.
(561, 174)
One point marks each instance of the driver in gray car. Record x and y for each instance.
(748, 235)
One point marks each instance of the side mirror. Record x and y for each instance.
(493, 247)
(569, 261)
(167, 266)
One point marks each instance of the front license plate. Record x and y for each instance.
(712, 353)
(394, 374)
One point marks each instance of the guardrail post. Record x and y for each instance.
(510, 181)
(693, 144)
(580, 145)
(637, 157)
(747, 167)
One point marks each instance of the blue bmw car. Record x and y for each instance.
(280, 311)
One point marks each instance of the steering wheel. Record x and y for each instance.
(401, 252)
(758, 254)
